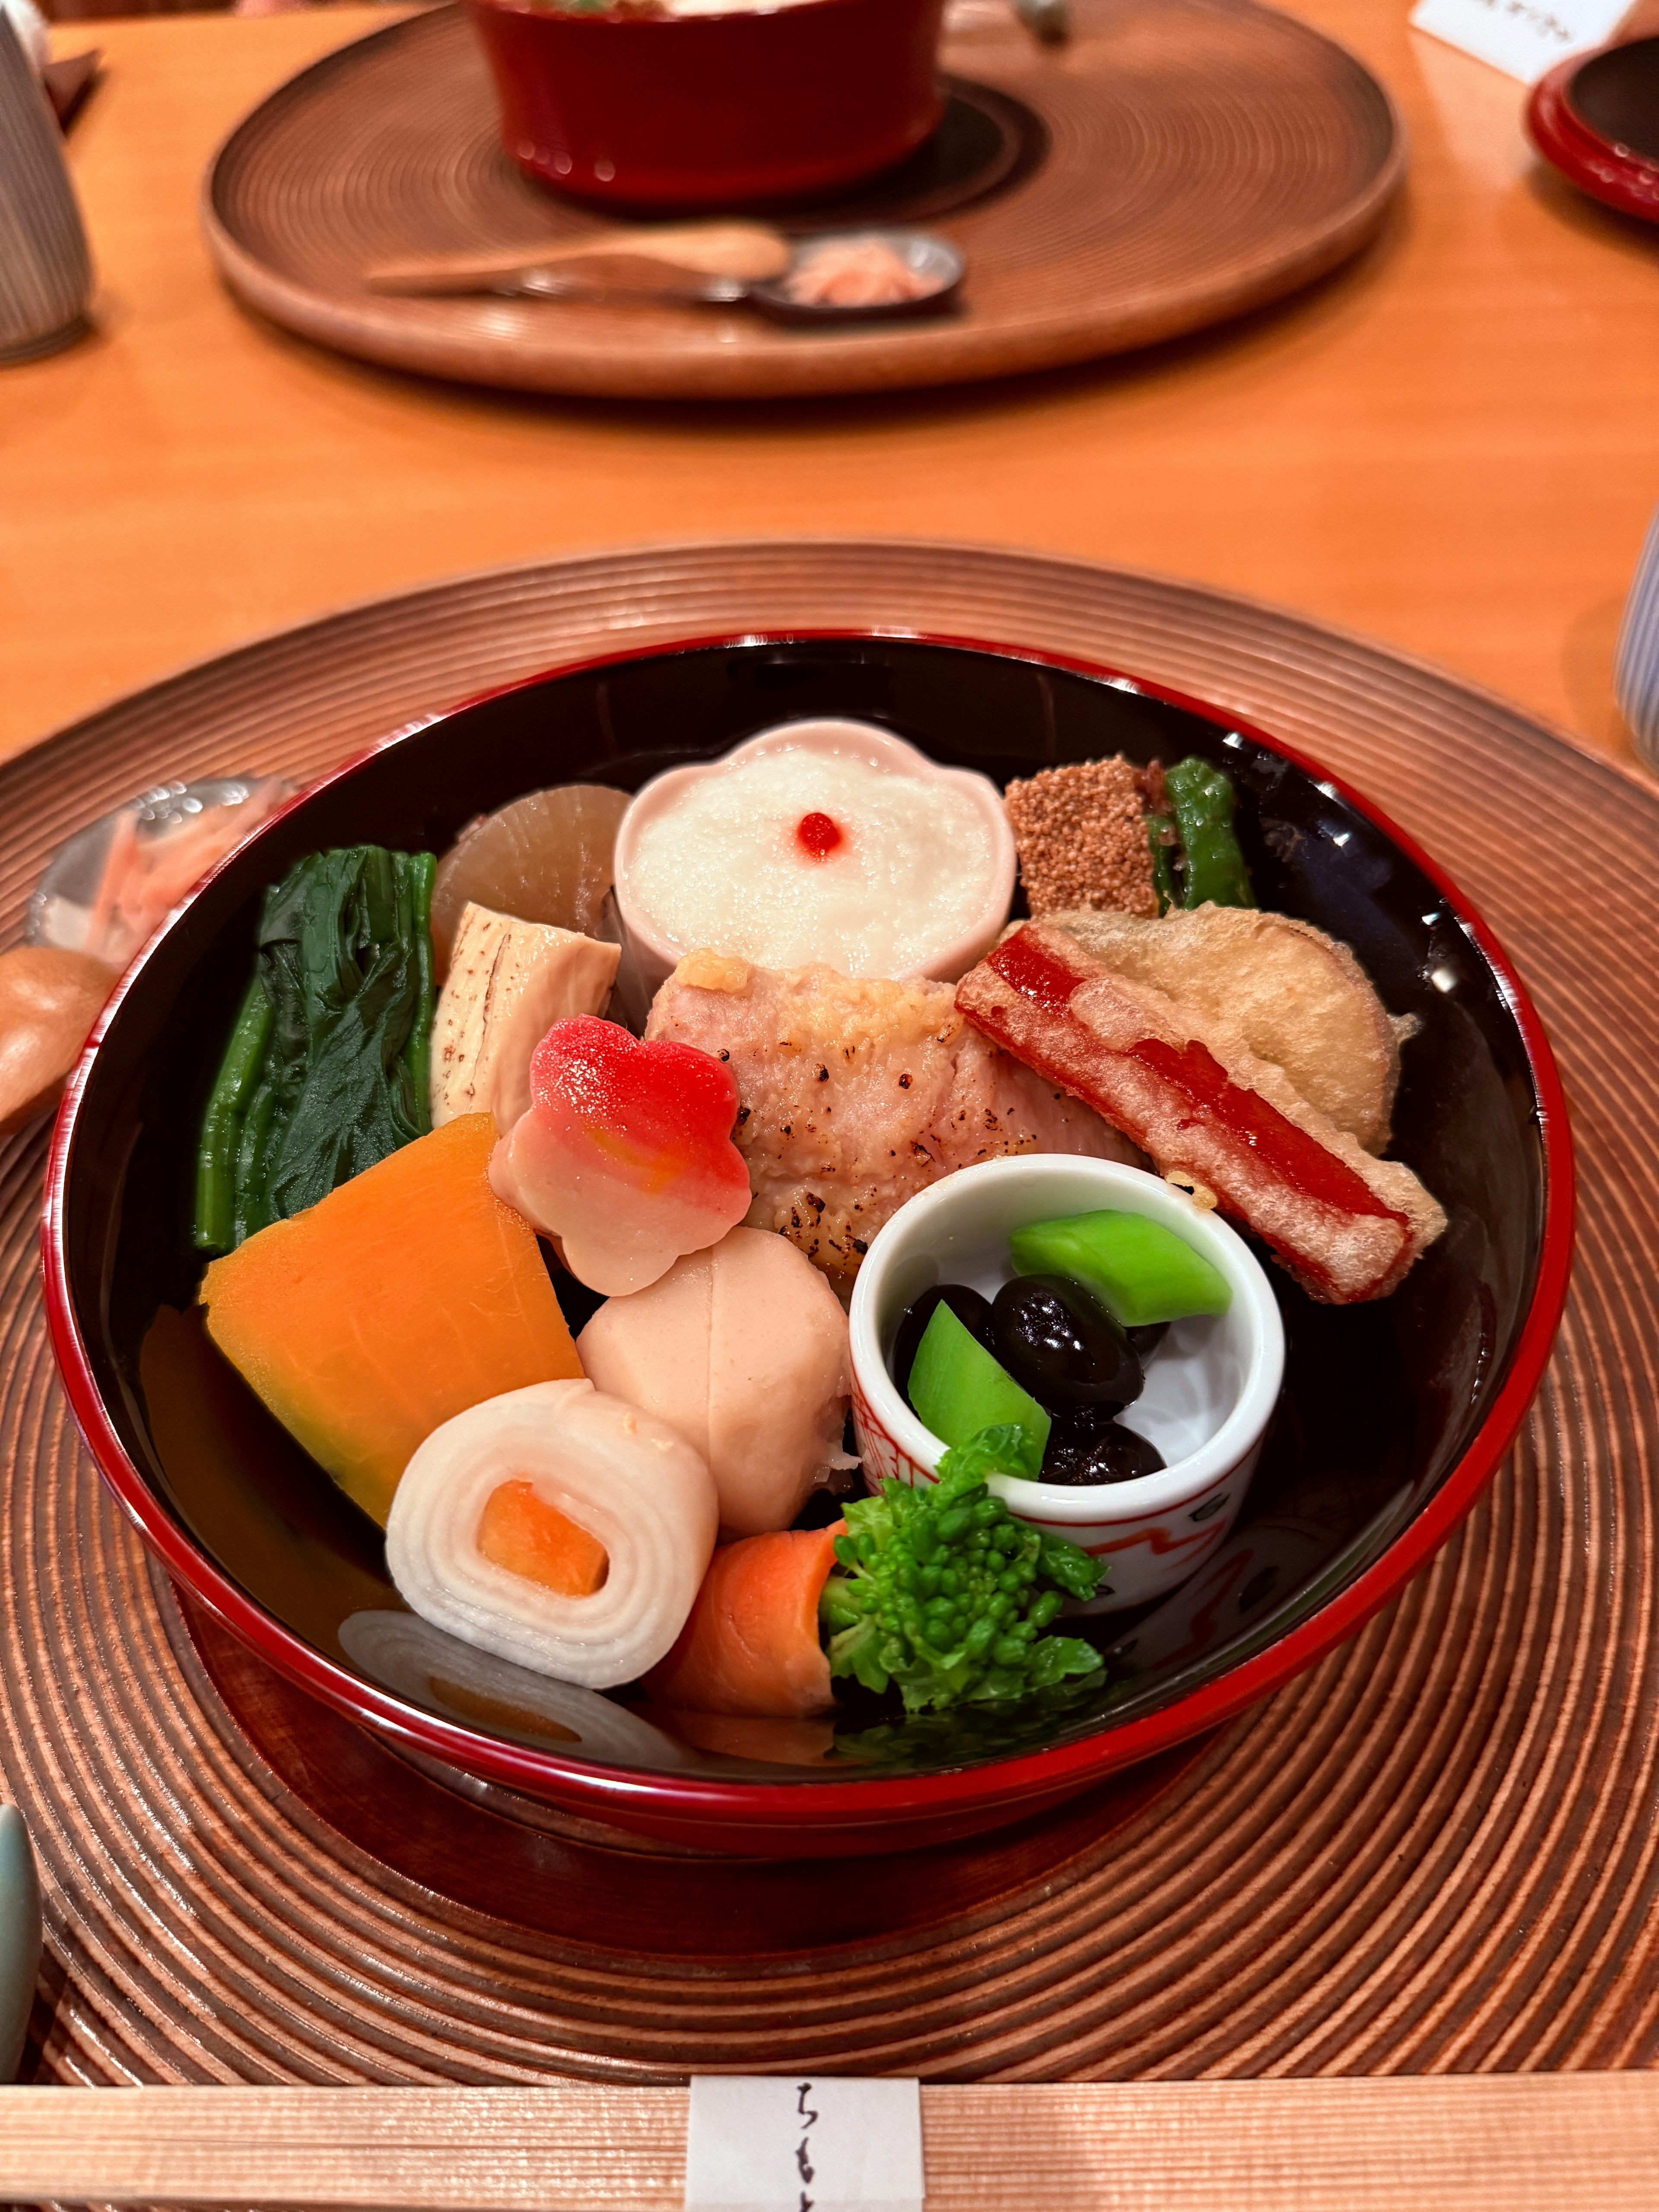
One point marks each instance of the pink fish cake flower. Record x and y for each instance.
(625, 1157)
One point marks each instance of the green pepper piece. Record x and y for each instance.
(1163, 837)
(1202, 796)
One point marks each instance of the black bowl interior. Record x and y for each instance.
(1380, 1400)
(1617, 93)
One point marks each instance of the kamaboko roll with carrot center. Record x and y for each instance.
(557, 1527)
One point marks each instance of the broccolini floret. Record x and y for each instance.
(939, 1591)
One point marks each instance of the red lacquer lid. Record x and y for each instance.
(1595, 117)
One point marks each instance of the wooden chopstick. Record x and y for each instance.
(1459, 2143)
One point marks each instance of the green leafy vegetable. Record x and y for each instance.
(1005, 1448)
(325, 1073)
(940, 1592)
(222, 1125)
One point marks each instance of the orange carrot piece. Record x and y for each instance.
(518, 1530)
(750, 1644)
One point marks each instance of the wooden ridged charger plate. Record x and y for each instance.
(1178, 161)
(1438, 1850)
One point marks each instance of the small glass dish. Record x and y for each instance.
(927, 258)
(106, 890)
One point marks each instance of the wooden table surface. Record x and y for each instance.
(1475, 2143)
(1453, 445)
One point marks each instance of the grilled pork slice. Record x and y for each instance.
(1187, 1088)
(854, 1095)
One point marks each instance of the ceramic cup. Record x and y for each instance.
(1636, 664)
(20, 1938)
(45, 276)
(1211, 1386)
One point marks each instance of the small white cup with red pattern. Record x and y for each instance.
(1212, 1384)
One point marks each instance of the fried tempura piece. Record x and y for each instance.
(1189, 1090)
(855, 1094)
(1297, 997)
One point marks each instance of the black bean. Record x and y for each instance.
(1083, 1452)
(1058, 1342)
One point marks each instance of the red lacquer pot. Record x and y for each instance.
(713, 111)
(1597, 117)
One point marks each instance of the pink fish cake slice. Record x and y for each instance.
(625, 1158)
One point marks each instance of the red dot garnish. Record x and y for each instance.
(818, 834)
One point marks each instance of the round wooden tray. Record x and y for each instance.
(1178, 161)
(1438, 1849)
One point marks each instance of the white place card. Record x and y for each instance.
(1523, 38)
(787, 2143)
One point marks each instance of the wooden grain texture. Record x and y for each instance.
(601, 1890)
(1526, 2143)
(1451, 446)
(1438, 1852)
(1200, 157)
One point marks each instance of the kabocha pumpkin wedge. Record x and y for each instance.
(399, 1300)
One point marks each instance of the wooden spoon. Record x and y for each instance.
(748, 252)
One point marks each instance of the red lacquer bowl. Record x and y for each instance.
(713, 111)
(1393, 1418)
(1597, 117)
